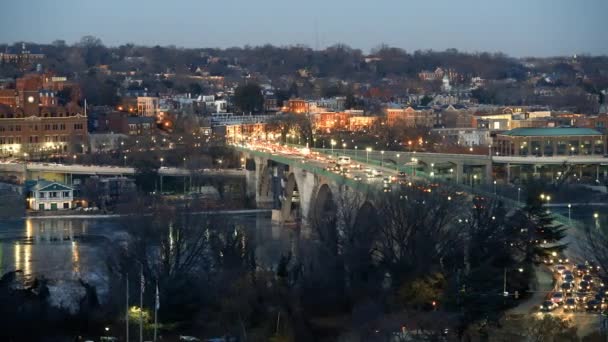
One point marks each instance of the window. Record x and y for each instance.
(66, 205)
(77, 126)
(53, 194)
(41, 194)
(66, 194)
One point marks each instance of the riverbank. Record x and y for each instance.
(102, 216)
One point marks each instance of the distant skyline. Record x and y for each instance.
(516, 27)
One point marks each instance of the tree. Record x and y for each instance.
(539, 237)
(248, 98)
(416, 233)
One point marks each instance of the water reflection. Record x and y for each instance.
(70, 249)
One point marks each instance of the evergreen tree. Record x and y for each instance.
(539, 235)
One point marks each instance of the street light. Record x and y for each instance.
(381, 158)
(125, 159)
(596, 216)
(494, 187)
(398, 161)
(518, 194)
(161, 161)
(356, 151)
(569, 213)
(333, 143)
(367, 151)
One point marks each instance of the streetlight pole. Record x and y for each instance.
(367, 151)
(494, 187)
(382, 158)
(398, 161)
(596, 216)
(518, 195)
(355, 151)
(570, 213)
(333, 143)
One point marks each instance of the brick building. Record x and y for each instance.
(34, 127)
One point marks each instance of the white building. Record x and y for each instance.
(147, 105)
(47, 195)
(464, 136)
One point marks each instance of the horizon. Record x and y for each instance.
(517, 28)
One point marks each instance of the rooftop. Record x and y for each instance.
(550, 132)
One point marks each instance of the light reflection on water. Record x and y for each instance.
(69, 249)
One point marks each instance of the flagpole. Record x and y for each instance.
(156, 304)
(127, 312)
(141, 306)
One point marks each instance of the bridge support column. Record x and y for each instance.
(488, 173)
(459, 172)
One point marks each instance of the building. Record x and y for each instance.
(412, 117)
(328, 121)
(21, 56)
(560, 141)
(298, 106)
(360, 122)
(140, 125)
(45, 195)
(464, 136)
(147, 105)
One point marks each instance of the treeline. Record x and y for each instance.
(340, 61)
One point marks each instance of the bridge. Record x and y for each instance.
(65, 172)
(297, 186)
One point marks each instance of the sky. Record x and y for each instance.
(516, 27)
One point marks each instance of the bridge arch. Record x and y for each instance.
(291, 209)
(264, 183)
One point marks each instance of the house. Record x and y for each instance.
(46, 195)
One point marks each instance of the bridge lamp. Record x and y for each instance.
(367, 151)
(398, 161)
(333, 143)
(382, 158)
(569, 212)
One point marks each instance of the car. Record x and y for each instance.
(386, 189)
(547, 306)
(592, 305)
(560, 268)
(401, 174)
(357, 178)
(557, 298)
(588, 278)
(580, 269)
(581, 296)
(189, 338)
(566, 287)
(592, 266)
(570, 304)
(568, 278)
(584, 286)
(566, 272)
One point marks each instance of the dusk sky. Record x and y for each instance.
(516, 27)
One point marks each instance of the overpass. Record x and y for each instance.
(23, 171)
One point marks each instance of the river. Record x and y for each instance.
(64, 250)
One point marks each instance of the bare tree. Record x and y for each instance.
(417, 234)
